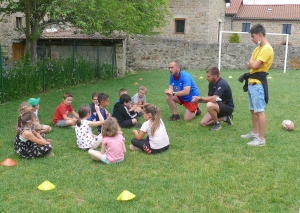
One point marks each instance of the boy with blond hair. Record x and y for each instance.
(139, 99)
(61, 114)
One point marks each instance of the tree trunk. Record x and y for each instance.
(27, 20)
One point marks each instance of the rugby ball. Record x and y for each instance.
(288, 125)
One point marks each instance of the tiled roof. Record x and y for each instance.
(70, 34)
(234, 7)
(273, 12)
(270, 12)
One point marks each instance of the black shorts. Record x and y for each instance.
(225, 110)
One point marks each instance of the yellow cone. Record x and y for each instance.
(230, 77)
(46, 185)
(269, 77)
(125, 195)
(200, 77)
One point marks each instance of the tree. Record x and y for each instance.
(103, 16)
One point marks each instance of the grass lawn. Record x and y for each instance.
(203, 171)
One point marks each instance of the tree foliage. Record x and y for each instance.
(103, 16)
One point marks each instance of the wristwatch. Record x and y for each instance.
(173, 93)
(201, 99)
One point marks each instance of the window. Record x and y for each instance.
(179, 25)
(246, 27)
(18, 22)
(286, 28)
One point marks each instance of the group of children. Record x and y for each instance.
(31, 142)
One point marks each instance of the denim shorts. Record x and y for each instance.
(105, 161)
(256, 97)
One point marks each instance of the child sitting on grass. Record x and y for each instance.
(60, 116)
(113, 146)
(103, 100)
(125, 117)
(93, 104)
(28, 143)
(157, 140)
(139, 99)
(24, 107)
(85, 137)
(35, 106)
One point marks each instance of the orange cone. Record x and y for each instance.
(8, 162)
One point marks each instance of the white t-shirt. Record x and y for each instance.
(160, 138)
(138, 100)
(84, 134)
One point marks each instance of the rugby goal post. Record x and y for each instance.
(231, 32)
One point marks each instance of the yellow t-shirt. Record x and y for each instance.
(266, 55)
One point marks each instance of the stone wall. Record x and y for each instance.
(154, 53)
(9, 34)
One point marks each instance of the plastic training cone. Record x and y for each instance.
(126, 195)
(140, 79)
(230, 77)
(46, 185)
(269, 77)
(8, 162)
(200, 77)
(136, 83)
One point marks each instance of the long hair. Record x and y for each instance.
(155, 119)
(25, 118)
(82, 112)
(24, 107)
(110, 127)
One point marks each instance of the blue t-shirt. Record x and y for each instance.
(93, 110)
(185, 80)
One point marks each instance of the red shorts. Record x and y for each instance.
(192, 107)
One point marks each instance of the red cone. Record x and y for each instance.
(8, 162)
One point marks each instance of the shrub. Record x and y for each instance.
(21, 79)
(234, 38)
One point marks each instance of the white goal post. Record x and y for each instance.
(231, 32)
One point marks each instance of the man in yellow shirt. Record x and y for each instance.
(259, 64)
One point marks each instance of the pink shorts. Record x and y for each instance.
(192, 107)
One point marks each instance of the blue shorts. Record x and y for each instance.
(256, 97)
(105, 161)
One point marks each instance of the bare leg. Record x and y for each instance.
(188, 115)
(96, 155)
(254, 122)
(172, 100)
(211, 115)
(261, 124)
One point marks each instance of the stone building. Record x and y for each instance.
(195, 20)
(279, 19)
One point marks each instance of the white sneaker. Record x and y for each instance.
(249, 135)
(257, 142)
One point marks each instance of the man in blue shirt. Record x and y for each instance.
(181, 90)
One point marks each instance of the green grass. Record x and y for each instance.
(202, 171)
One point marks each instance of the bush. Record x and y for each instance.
(234, 38)
(23, 79)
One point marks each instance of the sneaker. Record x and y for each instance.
(249, 135)
(174, 118)
(257, 142)
(132, 148)
(216, 126)
(198, 111)
(229, 120)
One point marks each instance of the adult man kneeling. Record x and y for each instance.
(219, 102)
